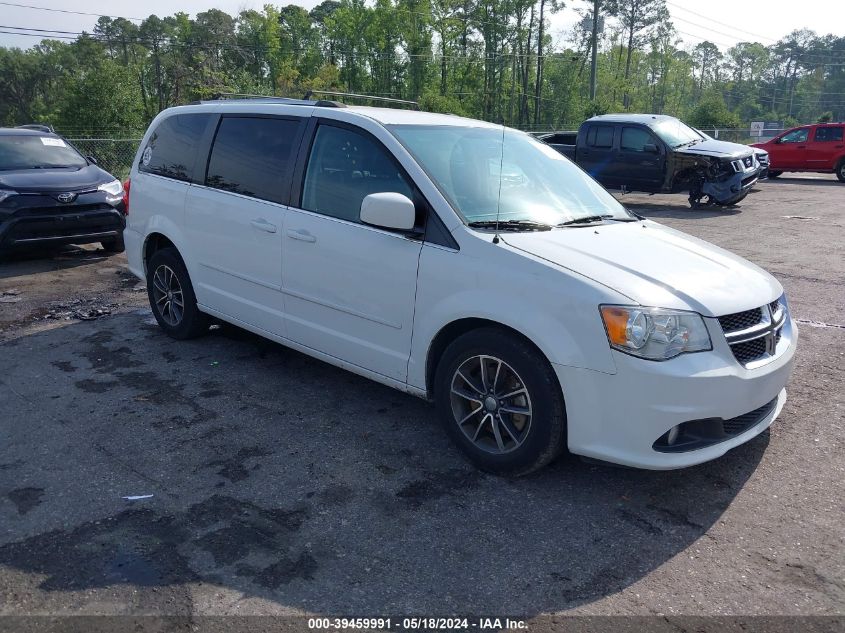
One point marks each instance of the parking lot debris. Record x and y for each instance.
(82, 309)
(137, 497)
(10, 296)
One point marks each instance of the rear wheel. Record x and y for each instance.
(840, 170)
(114, 245)
(172, 298)
(774, 174)
(499, 400)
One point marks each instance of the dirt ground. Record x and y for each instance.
(281, 485)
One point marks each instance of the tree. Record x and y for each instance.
(636, 17)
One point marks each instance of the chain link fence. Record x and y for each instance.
(115, 155)
(740, 135)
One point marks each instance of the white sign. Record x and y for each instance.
(54, 142)
(757, 128)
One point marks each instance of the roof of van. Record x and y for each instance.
(385, 116)
(395, 116)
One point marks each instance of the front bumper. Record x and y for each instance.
(733, 188)
(619, 417)
(31, 220)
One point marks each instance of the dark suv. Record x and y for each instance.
(51, 194)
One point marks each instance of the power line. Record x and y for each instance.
(96, 15)
(733, 28)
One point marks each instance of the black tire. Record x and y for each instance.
(115, 245)
(191, 322)
(840, 170)
(542, 439)
(774, 174)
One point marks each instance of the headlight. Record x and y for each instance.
(113, 188)
(654, 333)
(7, 193)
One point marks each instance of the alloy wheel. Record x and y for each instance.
(491, 404)
(167, 295)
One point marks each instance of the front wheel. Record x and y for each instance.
(172, 298)
(840, 171)
(500, 401)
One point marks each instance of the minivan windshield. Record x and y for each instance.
(29, 151)
(491, 174)
(676, 133)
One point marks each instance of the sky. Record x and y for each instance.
(724, 22)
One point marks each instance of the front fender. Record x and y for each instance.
(558, 312)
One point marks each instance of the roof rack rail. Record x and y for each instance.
(38, 127)
(235, 96)
(414, 105)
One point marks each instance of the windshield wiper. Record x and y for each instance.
(589, 219)
(511, 225)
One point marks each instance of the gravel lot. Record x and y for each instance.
(285, 486)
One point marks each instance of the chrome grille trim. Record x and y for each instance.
(754, 345)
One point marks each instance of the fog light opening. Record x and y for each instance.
(673, 434)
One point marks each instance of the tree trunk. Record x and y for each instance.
(538, 82)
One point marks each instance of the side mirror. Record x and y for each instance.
(388, 210)
(91, 160)
(650, 148)
(778, 141)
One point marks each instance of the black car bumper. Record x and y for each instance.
(30, 220)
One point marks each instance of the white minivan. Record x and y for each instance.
(462, 262)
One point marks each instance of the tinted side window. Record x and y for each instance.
(345, 167)
(254, 156)
(829, 134)
(635, 139)
(600, 136)
(171, 149)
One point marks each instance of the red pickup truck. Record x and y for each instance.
(819, 148)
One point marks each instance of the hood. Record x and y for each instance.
(54, 180)
(655, 266)
(719, 149)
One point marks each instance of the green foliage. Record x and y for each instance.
(826, 117)
(491, 59)
(711, 112)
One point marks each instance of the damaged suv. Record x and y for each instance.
(661, 154)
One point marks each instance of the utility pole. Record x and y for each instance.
(594, 52)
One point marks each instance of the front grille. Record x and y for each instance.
(754, 334)
(742, 423)
(741, 320)
(763, 159)
(749, 350)
(65, 209)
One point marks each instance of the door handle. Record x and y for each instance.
(801, 147)
(839, 146)
(263, 225)
(301, 235)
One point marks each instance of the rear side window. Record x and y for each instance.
(172, 147)
(254, 156)
(600, 136)
(345, 167)
(828, 134)
(634, 139)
